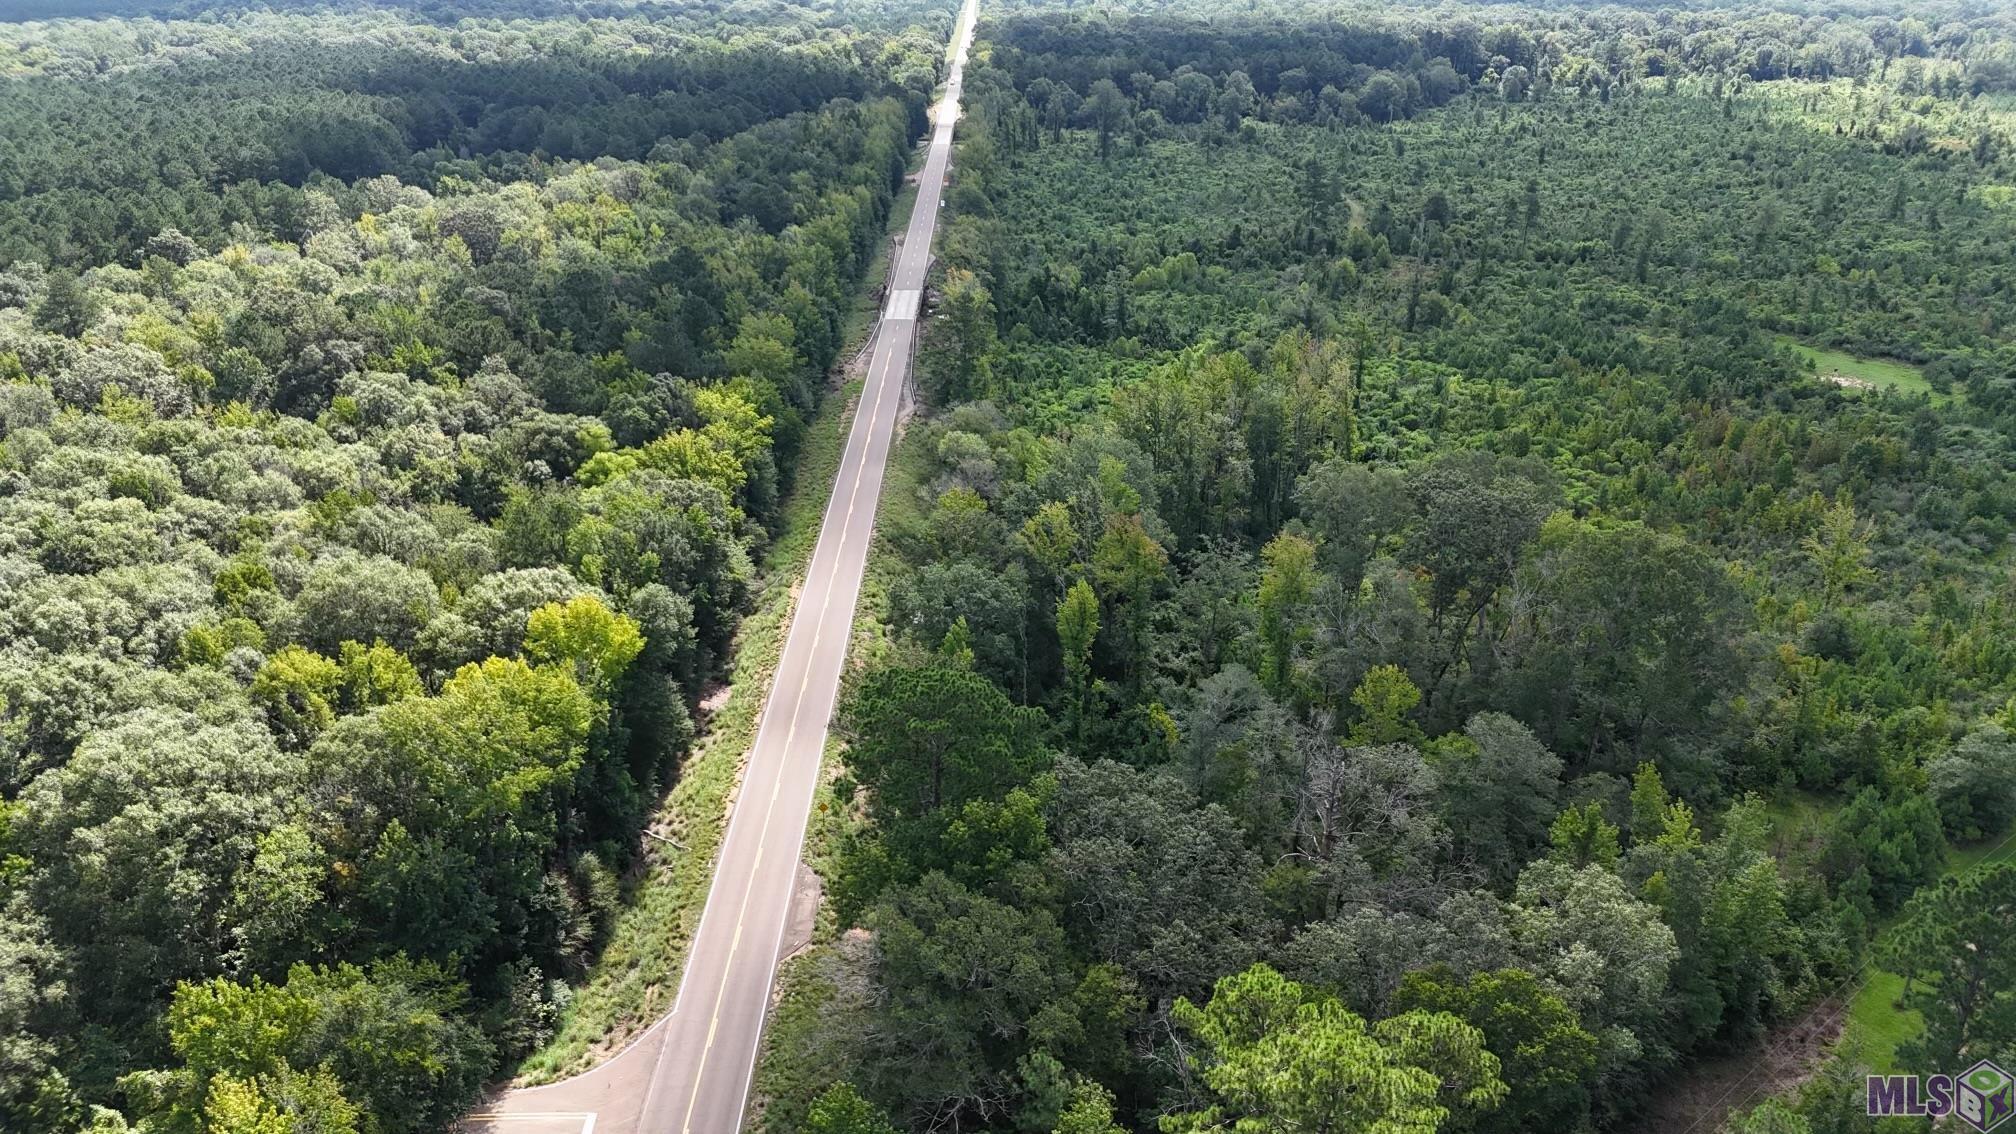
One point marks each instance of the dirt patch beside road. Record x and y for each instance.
(1700, 1098)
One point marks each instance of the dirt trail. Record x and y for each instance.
(1698, 1099)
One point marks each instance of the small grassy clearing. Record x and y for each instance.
(1855, 373)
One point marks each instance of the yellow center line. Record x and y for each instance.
(929, 221)
(791, 734)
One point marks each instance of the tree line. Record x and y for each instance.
(117, 130)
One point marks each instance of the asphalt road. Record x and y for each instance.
(690, 1074)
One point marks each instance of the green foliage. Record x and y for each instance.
(596, 644)
(1840, 550)
(1287, 581)
(841, 1110)
(1383, 701)
(1449, 373)
(971, 981)
(1886, 846)
(1669, 599)
(1396, 430)
(1953, 945)
(1275, 1056)
(297, 688)
(385, 1046)
(929, 738)
(34, 1005)
(1582, 837)
(1561, 920)
(1090, 1112)
(66, 308)
(988, 604)
(1546, 1058)
(1974, 785)
(159, 816)
(376, 675)
(393, 408)
(959, 355)
(280, 1103)
(1151, 881)
(354, 92)
(1769, 1117)
(1497, 789)
(1078, 627)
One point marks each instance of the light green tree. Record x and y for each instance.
(1089, 1112)
(1278, 1057)
(283, 1102)
(376, 675)
(1839, 549)
(1582, 837)
(1601, 949)
(1131, 566)
(1051, 540)
(392, 1039)
(298, 689)
(1288, 580)
(1384, 698)
(1077, 629)
(842, 1110)
(595, 643)
(1648, 802)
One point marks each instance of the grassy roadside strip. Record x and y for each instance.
(636, 978)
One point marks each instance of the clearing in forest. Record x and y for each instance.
(1847, 370)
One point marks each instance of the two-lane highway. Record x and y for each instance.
(701, 1058)
(714, 1038)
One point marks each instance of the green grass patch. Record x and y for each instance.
(812, 1034)
(816, 1032)
(1854, 373)
(1798, 821)
(1987, 852)
(1876, 1025)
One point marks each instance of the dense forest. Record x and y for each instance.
(1452, 572)
(116, 130)
(1455, 573)
(390, 414)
